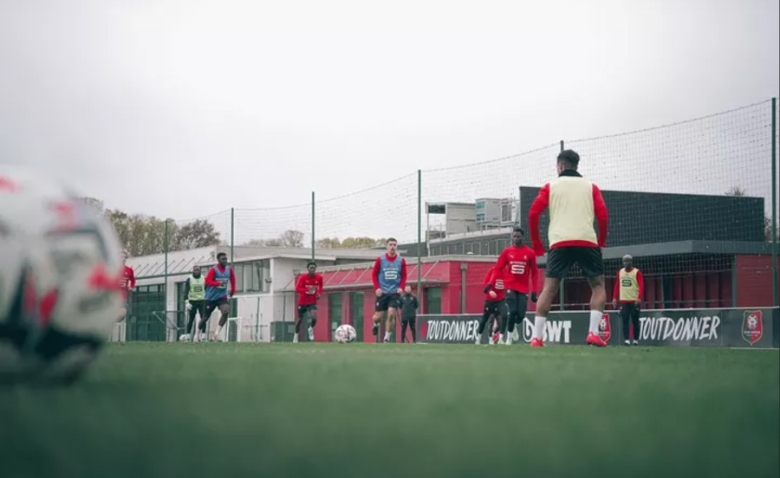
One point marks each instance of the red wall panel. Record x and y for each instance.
(754, 281)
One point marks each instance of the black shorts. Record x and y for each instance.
(215, 304)
(302, 309)
(387, 301)
(496, 308)
(516, 302)
(560, 260)
(409, 320)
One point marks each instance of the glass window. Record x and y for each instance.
(253, 278)
(356, 312)
(147, 315)
(239, 271)
(433, 300)
(334, 311)
(265, 273)
(506, 212)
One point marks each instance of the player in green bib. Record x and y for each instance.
(195, 292)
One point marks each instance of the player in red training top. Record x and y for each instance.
(127, 284)
(309, 290)
(575, 203)
(495, 305)
(519, 265)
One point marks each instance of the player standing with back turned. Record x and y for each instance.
(389, 277)
(574, 204)
(519, 263)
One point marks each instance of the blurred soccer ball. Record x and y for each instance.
(185, 338)
(345, 333)
(59, 284)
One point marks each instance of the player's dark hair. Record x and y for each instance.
(518, 229)
(311, 263)
(391, 239)
(569, 158)
(221, 254)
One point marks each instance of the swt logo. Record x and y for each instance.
(605, 327)
(752, 326)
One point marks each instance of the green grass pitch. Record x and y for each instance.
(370, 410)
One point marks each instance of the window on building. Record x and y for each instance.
(250, 276)
(506, 212)
(147, 316)
(239, 271)
(480, 217)
(334, 311)
(433, 300)
(480, 205)
(356, 313)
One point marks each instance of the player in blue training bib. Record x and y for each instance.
(220, 286)
(389, 276)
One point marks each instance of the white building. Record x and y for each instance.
(262, 275)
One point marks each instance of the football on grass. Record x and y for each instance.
(345, 333)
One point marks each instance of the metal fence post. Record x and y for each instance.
(774, 237)
(419, 233)
(560, 286)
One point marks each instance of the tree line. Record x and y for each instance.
(144, 235)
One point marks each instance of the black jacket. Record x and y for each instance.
(409, 306)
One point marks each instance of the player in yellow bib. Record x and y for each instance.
(195, 292)
(628, 292)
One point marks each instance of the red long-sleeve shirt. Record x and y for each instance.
(309, 288)
(212, 282)
(495, 279)
(640, 281)
(574, 203)
(401, 281)
(127, 281)
(520, 269)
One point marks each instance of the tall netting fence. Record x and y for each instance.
(697, 196)
(691, 201)
(464, 206)
(368, 217)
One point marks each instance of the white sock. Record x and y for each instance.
(595, 318)
(539, 322)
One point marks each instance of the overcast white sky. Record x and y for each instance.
(258, 103)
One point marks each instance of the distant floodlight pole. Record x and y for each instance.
(774, 205)
(560, 285)
(313, 241)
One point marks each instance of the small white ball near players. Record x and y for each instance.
(59, 285)
(345, 333)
